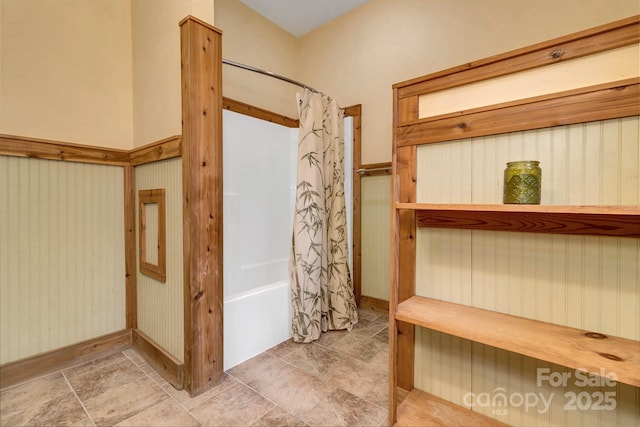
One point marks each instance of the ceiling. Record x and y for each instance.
(298, 17)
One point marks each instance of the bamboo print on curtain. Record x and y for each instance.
(321, 292)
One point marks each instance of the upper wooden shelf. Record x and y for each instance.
(620, 221)
(574, 348)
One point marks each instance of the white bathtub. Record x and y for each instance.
(255, 321)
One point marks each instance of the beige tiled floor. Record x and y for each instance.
(340, 380)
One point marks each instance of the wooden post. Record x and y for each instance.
(403, 245)
(130, 247)
(201, 59)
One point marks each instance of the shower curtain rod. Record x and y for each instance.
(269, 73)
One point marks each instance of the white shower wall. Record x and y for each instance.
(259, 190)
(258, 201)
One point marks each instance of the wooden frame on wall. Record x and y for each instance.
(157, 270)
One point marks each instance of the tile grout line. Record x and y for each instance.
(73, 390)
(257, 392)
(275, 405)
(180, 404)
(335, 351)
(163, 389)
(265, 397)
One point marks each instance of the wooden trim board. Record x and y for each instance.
(22, 146)
(601, 102)
(16, 372)
(374, 304)
(170, 368)
(258, 113)
(167, 148)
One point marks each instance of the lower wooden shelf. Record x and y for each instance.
(574, 348)
(423, 409)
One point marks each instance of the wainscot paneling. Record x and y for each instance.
(160, 308)
(62, 264)
(376, 239)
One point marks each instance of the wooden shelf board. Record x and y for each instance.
(620, 221)
(423, 409)
(574, 348)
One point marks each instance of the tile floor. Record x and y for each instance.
(340, 380)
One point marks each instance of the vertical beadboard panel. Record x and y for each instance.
(376, 235)
(160, 305)
(152, 233)
(586, 282)
(61, 254)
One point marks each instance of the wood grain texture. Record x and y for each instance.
(22, 146)
(574, 348)
(406, 169)
(588, 42)
(156, 196)
(408, 109)
(164, 363)
(424, 409)
(374, 304)
(13, 373)
(167, 148)
(201, 59)
(130, 247)
(355, 111)
(258, 113)
(403, 253)
(601, 102)
(620, 221)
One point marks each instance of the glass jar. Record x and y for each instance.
(522, 181)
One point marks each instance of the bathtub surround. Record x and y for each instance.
(321, 291)
(259, 182)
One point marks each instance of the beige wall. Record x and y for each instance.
(250, 39)
(94, 72)
(357, 57)
(65, 70)
(156, 65)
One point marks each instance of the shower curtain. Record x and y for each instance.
(321, 291)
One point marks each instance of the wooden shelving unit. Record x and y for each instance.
(554, 343)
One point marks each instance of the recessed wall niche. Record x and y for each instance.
(152, 234)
